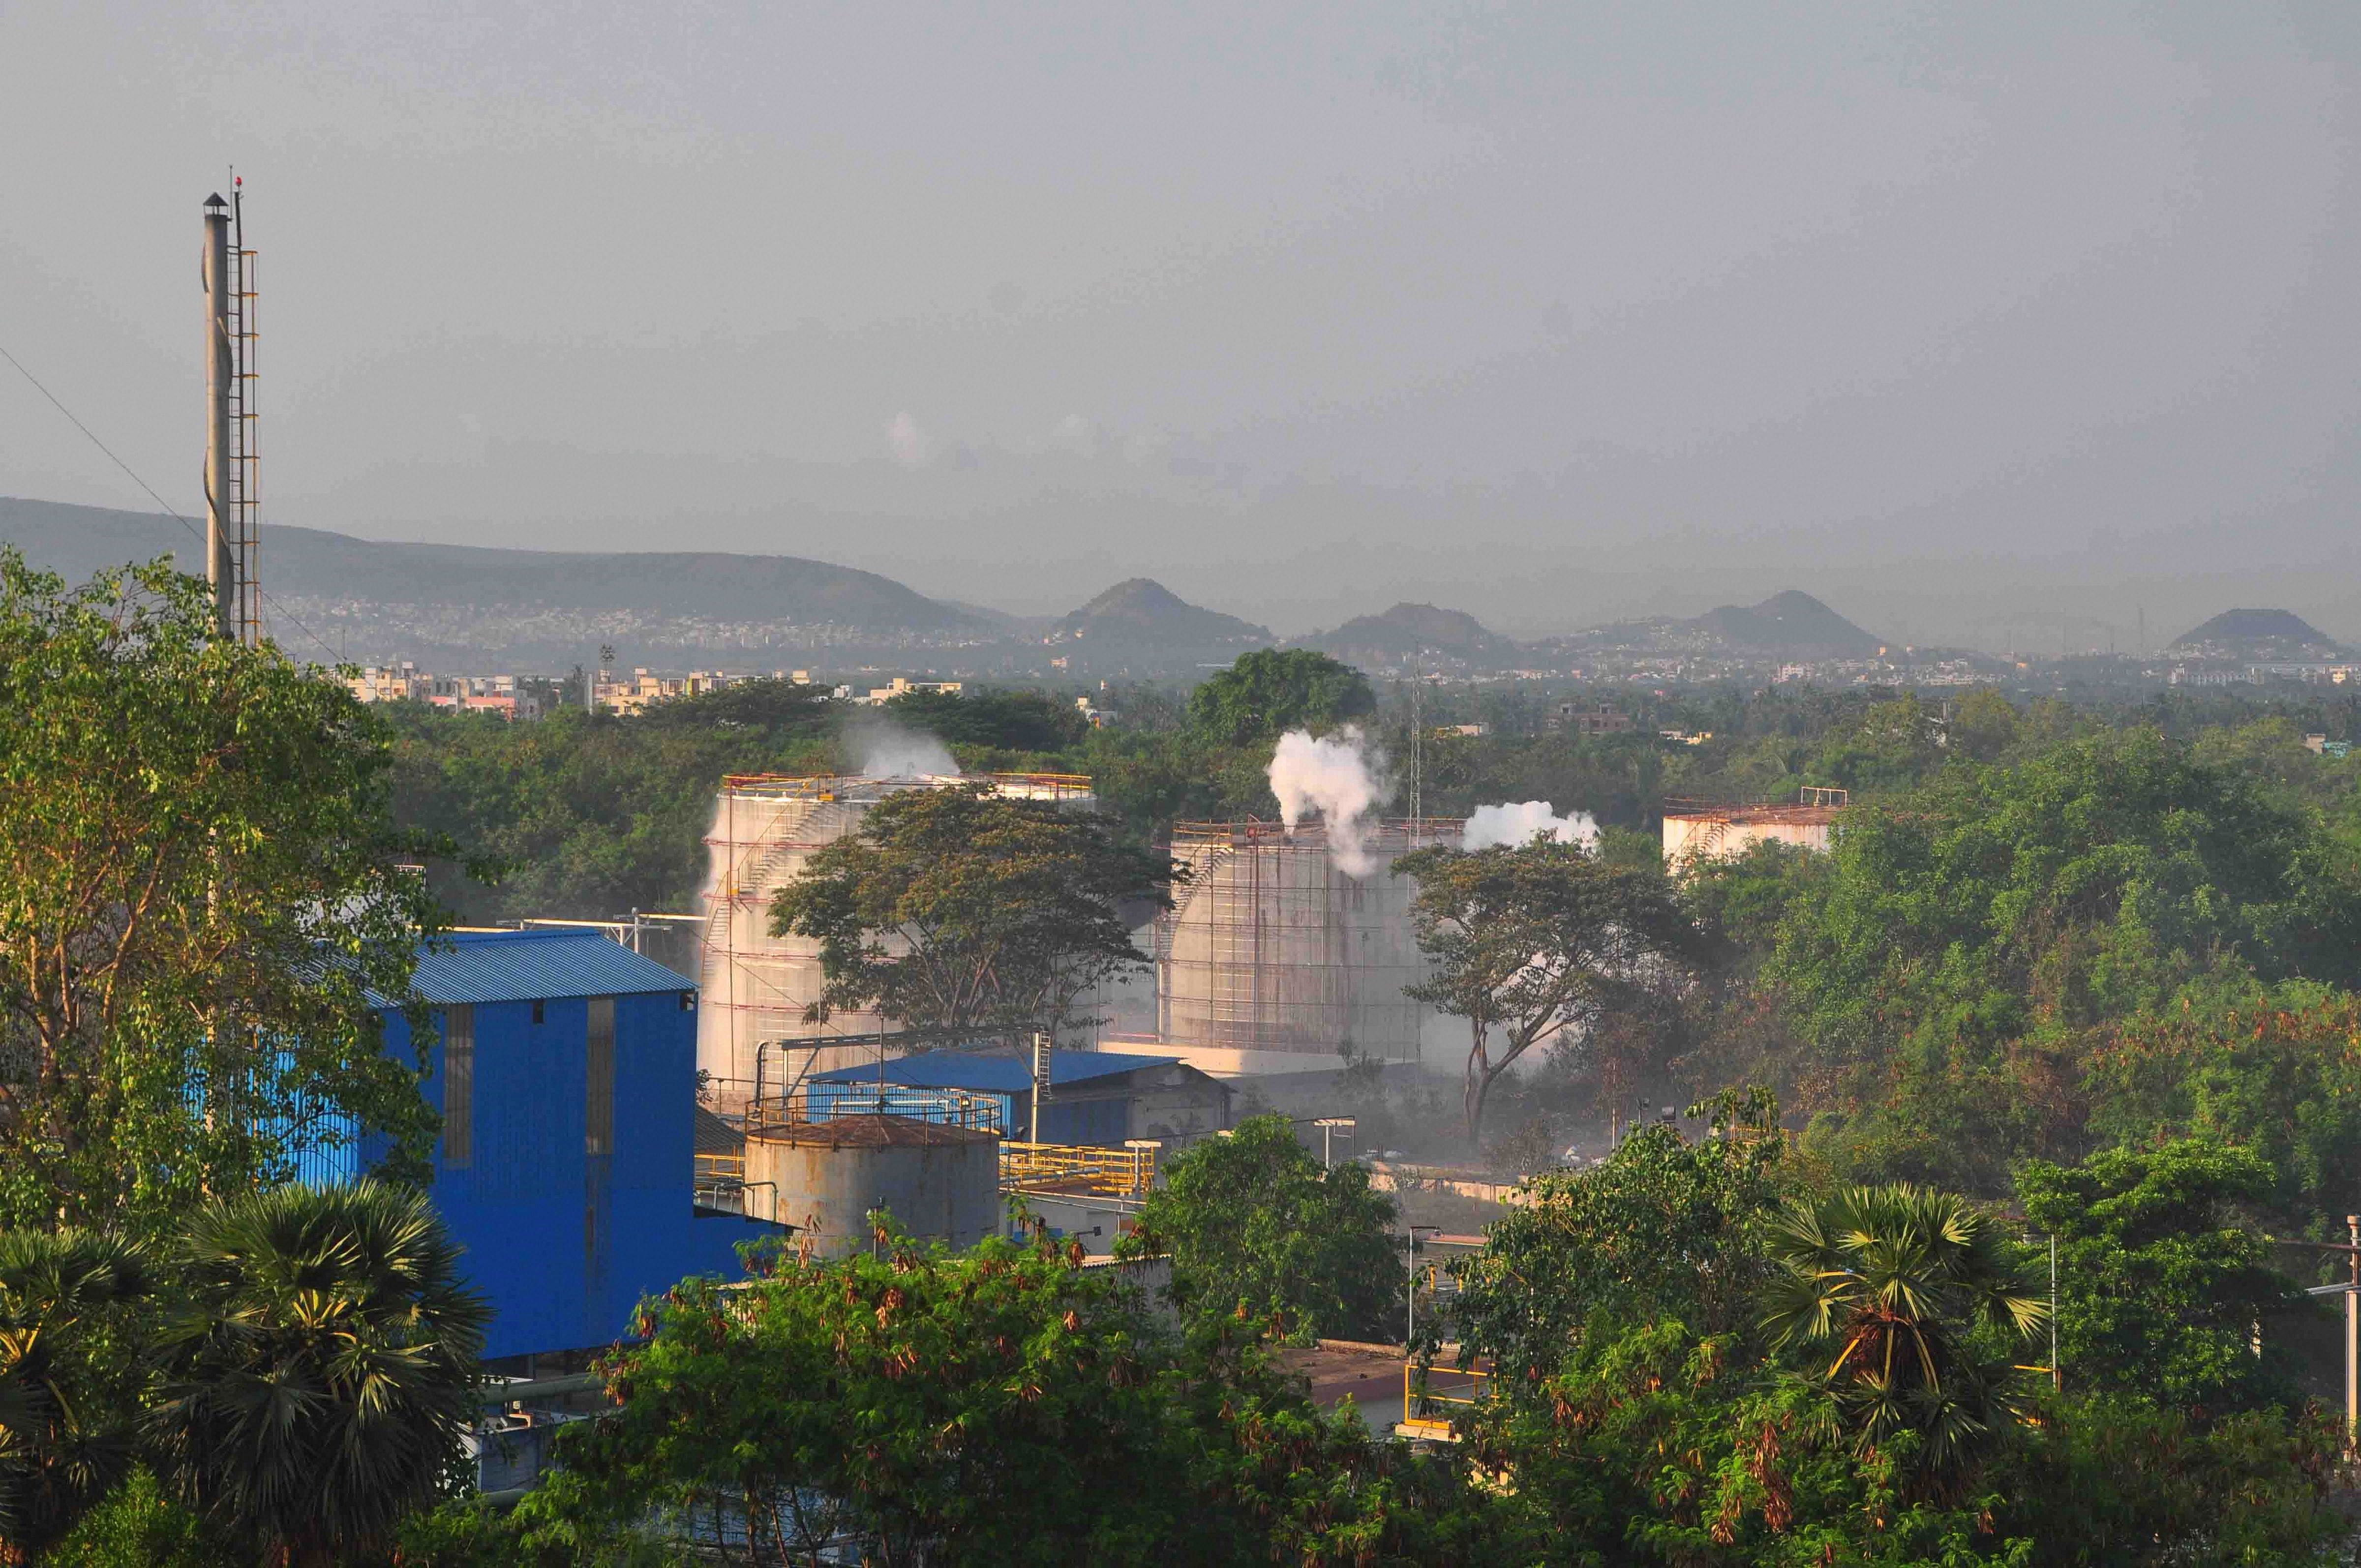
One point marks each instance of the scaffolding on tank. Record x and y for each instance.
(1272, 946)
(754, 987)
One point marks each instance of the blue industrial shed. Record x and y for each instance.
(565, 1069)
(1095, 1097)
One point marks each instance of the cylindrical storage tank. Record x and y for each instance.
(940, 1182)
(1272, 945)
(753, 987)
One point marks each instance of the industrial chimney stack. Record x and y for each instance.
(221, 393)
(231, 483)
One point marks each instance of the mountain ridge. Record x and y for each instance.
(1410, 629)
(1143, 612)
(455, 597)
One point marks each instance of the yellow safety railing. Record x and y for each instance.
(1419, 1387)
(1076, 1168)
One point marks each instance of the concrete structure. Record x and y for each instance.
(1271, 947)
(756, 986)
(1694, 830)
(1599, 719)
(1095, 1097)
(564, 1068)
(940, 1181)
(902, 685)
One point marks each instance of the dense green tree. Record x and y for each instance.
(1005, 721)
(2271, 1071)
(1254, 1224)
(2163, 1279)
(202, 888)
(1662, 1227)
(1879, 1289)
(963, 913)
(1001, 1406)
(1658, 1445)
(318, 1369)
(139, 1524)
(69, 1379)
(593, 817)
(1538, 943)
(1949, 964)
(1270, 690)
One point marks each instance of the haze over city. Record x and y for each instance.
(1964, 319)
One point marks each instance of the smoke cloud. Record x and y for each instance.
(1337, 776)
(891, 751)
(1516, 824)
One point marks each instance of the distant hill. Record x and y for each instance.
(387, 598)
(1410, 631)
(1143, 613)
(1792, 624)
(2255, 633)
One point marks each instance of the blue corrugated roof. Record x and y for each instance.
(524, 966)
(997, 1073)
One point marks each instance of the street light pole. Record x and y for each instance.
(1410, 1330)
(2353, 1333)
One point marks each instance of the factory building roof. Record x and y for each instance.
(526, 966)
(997, 1073)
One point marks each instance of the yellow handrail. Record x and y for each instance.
(1077, 1168)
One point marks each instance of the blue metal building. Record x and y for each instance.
(1095, 1097)
(565, 1069)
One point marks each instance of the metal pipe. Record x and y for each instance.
(539, 1388)
(221, 544)
(2352, 1335)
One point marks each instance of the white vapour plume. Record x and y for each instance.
(1336, 776)
(891, 751)
(1516, 824)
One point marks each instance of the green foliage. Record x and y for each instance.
(1963, 939)
(2276, 1072)
(68, 1378)
(1001, 1406)
(187, 829)
(320, 1370)
(1269, 691)
(963, 913)
(1879, 1290)
(1270, 1479)
(957, 1405)
(593, 817)
(1660, 1446)
(1253, 1224)
(1539, 942)
(2162, 1281)
(1004, 720)
(139, 1526)
(1662, 1228)
(2111, 1481)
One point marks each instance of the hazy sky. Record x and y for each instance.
(1974, 320)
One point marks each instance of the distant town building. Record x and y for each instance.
(505, 696)
(1580, 720)
(1471, 730)
(1096, 717)
(904, 688)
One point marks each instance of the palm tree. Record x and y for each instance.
(65, 1397)
(319, 1377)
(1890, 1283)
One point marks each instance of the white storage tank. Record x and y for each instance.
(940, 1181)
(753, 987)
(1272, 946)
